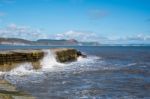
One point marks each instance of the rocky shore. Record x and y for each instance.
(67, 55)
(9, 91)
(11, 59)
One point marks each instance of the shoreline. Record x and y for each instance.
(12, 58)
(9, 91)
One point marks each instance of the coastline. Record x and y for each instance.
(12, 58)
(9, 91)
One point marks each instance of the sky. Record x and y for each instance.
(104, 21)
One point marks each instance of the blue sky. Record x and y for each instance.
(105, 21)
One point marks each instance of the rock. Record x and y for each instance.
(66, 55)
(8, 91)
(10, 59)
(81, 54)
(6, 86)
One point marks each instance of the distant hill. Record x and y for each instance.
(15, 41)
(57, 42)
(18, 41)
(89, 43)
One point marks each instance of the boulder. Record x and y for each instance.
(81, 54)
(65, 55)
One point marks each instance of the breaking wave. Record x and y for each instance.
(48, 64)
(49, 60)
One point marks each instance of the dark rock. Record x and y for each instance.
(81, 54)
(66, 55)
(10, 59)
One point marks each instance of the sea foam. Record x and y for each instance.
(50, 64)
(47, 63)
(49, 60)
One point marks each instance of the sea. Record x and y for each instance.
(108, 72)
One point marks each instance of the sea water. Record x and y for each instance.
(107, 73)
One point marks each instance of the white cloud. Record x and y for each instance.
(141, 37)
(138, 37)
(78, 35)
(25, 32)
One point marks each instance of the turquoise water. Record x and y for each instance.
(107, 73)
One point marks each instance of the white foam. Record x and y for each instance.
(89, 59)
(131, 64)
(82, 63)
(22, 69)
(2, 73)
(49, 61)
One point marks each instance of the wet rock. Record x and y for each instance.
(36, 65)
(10, 59)
(66, 55)
(81, 54)
(8, 91)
